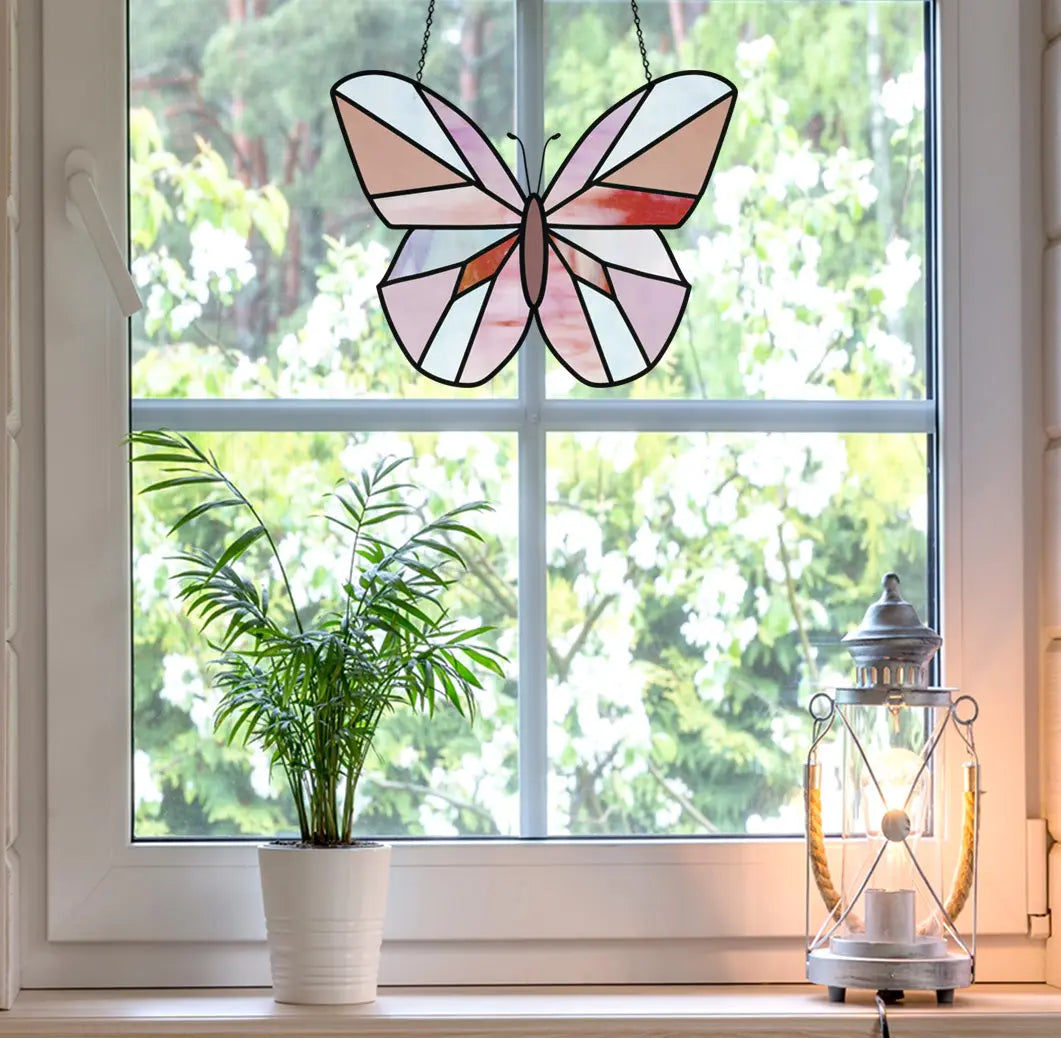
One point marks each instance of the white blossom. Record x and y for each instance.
(901, 98)
(899, 275)
(144, 785)
(261, 781)
(220, 252)
(644, 547)
(730, 187)
(752, 55)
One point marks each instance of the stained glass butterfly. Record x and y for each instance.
(483, 259)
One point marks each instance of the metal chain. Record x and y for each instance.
(431, 15)
(641, 40)
(427, 37)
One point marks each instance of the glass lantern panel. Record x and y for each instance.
(892, 821)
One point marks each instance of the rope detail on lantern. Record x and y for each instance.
(961, 884)
(819, 863)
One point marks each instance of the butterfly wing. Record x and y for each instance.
(612, 302)
(454, 300)
(421, 163)
(614, 295)
(453, 295)
(647, 160)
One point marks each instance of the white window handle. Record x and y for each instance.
(83, 208)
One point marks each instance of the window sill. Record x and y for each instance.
(1025, 1010)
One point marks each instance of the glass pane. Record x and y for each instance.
(698, 589)
(429, 776)
(253, 245)
(807, 253)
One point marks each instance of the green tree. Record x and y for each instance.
(698, 584)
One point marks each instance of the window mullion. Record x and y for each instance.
(533, 707)
(574, 415)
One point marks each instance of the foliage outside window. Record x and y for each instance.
(697, 583)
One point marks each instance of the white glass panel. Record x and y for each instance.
(447, 349)
(398, 104)
(666, 106)
(620, 350)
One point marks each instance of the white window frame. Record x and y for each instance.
(113, 912)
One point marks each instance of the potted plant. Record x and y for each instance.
(312, 687)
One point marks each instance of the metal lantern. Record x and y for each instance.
(889, 925)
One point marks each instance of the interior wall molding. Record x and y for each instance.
(1052, 18)
(9, 321)
(1051, 271)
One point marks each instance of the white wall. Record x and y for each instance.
(9, 387)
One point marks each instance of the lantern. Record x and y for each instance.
(891, 925)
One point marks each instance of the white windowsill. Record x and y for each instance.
(1012, 1010)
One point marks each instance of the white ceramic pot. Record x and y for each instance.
(324, 911)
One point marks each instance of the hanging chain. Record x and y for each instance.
(641, 40)
(427, 37)
(431, 15)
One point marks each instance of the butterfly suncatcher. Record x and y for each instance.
(483, 258)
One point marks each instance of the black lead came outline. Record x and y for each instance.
(551, 232)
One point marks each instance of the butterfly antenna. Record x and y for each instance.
(526, 168)
(541, 168)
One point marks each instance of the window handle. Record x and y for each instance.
(83, 208)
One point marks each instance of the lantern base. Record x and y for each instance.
(920, 948)
(944, 996)
(839, 972)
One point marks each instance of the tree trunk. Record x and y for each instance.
(676, 9)
(471, 61)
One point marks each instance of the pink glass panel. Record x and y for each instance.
(486, 264)
(388, 162)
(478, 153)
(652, 308)
(583, 266)
(618, 207)
(447, 207)
(679, 162)
(435, 248)
(588, 152)
(504, 320)
(565, 327)
(415, 307)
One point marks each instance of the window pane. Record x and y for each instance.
(696, 584)
(807, 253)
(698, 589)
(430, 776)
(253, 245)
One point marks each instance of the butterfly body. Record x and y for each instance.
(532, 243)
(483, 260)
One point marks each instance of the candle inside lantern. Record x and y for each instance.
(890, 916)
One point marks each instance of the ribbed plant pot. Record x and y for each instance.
(324, 911)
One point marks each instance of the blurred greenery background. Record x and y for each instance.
(698, 585)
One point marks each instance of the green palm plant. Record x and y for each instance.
(313, 695)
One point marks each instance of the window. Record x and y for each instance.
(666, 576)
(605, 523)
